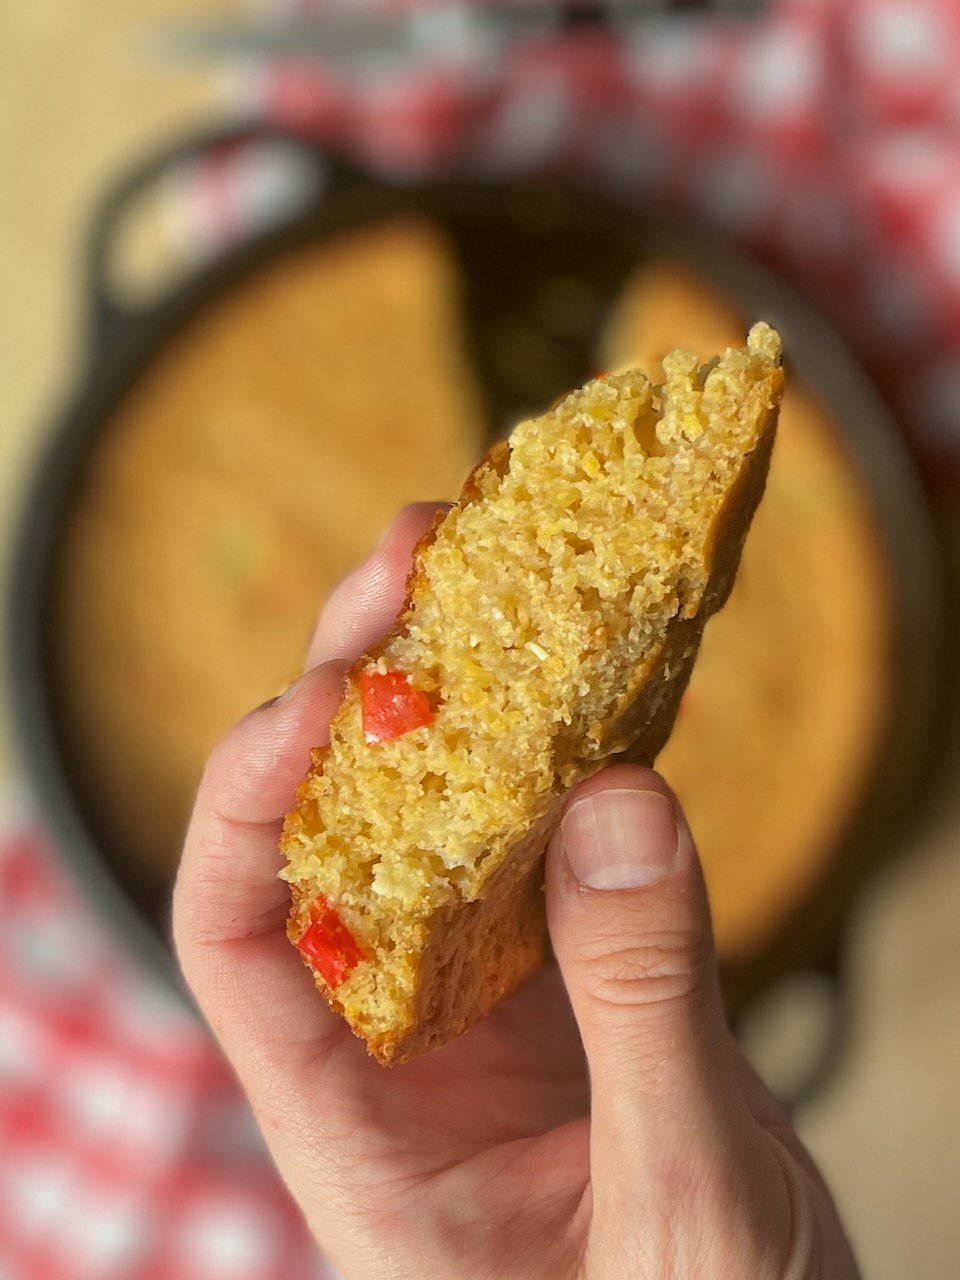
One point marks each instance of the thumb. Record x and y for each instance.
(630, 926)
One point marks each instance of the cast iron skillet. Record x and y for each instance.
(509, 237)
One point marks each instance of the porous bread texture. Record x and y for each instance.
(552, 620)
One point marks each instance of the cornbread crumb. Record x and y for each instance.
(552, 620)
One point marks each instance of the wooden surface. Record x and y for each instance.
(78, 101)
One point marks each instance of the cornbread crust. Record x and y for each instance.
(472, 951)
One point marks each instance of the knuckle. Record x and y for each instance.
(663, 967)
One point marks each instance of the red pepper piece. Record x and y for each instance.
(391, 705)
(330, 946)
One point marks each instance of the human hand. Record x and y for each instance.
(601, 1124)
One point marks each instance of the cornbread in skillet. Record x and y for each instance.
(249, 468)
(776, 737)
(552, 620)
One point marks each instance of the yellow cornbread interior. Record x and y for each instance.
(540, 601)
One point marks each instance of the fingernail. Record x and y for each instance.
(385, 536)
(624, 839)
(287, 695)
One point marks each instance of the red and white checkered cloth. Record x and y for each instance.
(128, 1153)
(825, 136)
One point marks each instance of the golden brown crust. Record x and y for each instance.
(478, 953)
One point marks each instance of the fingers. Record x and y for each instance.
(229, 905)
(631, 930)
(364, 606)
(228, 873)
(680, 1169)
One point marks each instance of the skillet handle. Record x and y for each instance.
(110, 315)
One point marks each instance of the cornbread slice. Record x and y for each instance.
(552, 620)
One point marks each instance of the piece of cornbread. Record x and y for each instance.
(551, 624)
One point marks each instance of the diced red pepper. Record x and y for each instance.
(391, 705)
(330, 946)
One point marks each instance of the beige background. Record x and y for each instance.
(78, 101)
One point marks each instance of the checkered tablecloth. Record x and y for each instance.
(126, 1149)
(824, 136)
